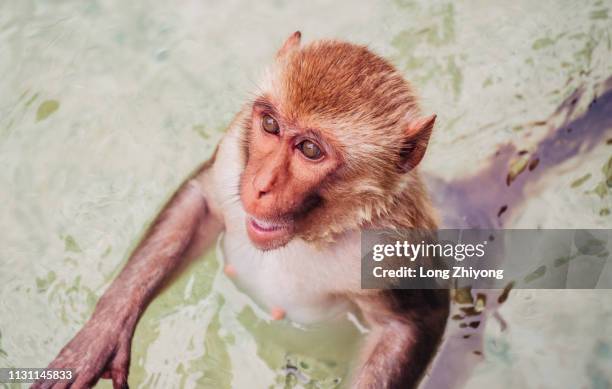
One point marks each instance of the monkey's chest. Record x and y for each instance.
(296, 281)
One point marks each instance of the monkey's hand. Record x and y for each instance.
(102, 346)
(100, 349)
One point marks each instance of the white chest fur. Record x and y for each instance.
(302, 281)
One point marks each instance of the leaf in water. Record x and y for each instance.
(481, 302)
(463, 296)
(537, 273)
(541, 43)
(31, 100)
(600, 190)
(604, 212)
(563, 260)
(516, 168)
(599, 14)
(46, 108)
(42, 284)
(470, 311)
(201, 130)
(71, 245)
(607, 171)
(588, 244)
(576, 183)
(107, 251)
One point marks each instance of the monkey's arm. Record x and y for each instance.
(406, 329)
(103, 344)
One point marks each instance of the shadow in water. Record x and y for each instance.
(487, 198)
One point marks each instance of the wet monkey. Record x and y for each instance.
(329, 145)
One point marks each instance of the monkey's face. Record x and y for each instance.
(329, 144)
(286, 165)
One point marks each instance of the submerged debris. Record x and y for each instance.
(505, 293)
(46, 109)
(470, 311)
(579, 181)
(537, 273)
(481, 302)
(534, 164)
(463, 295)
(516, 168)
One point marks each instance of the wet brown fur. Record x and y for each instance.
(367, 111)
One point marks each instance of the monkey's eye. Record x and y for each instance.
(310, 150)
(270, 124)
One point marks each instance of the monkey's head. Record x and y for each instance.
(330, 144)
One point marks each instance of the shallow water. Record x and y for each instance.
(106, 106)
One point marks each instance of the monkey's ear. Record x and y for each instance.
(293, 42)
(415, 143)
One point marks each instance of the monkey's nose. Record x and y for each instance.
(261, 194)
(263, 184)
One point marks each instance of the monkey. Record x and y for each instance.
(328, 146)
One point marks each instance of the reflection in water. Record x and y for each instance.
(488, 198)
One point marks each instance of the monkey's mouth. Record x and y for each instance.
(268, 234)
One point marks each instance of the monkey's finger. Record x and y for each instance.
(120, 366)
(119, 377)
(119, 380)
